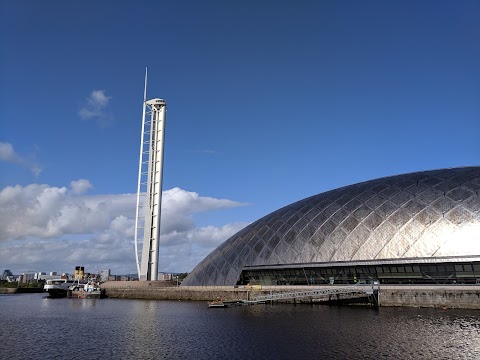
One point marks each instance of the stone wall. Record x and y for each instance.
(157, 291)
(449, 296)
(8, 290)
(455, 296)
(20, 290)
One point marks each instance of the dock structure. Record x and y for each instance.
(347, 292)
(435, 296)
(354, 290)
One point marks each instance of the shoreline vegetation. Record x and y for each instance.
(16, 288)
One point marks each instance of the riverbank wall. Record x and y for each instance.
(8, 290)
(5, 290)
(438, 296)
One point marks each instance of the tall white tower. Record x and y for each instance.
(149, 191)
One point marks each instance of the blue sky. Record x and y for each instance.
(268, 102)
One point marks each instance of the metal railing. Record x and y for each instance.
(317, 292)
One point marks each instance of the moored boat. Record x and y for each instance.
(216, 304)
(223, 303)
(90, 290)
(57, 288)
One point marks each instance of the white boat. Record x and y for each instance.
(90, 290)
(57, 288)
(216, 304)
(223, 303)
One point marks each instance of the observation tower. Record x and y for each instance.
(149, 190)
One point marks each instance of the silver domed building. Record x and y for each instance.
(416, 228)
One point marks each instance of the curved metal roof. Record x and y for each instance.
(422, 214)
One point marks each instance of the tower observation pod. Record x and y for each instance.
(149, 191)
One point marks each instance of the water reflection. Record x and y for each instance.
(136, 329)
(141, 322)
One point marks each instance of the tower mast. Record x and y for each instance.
(149, 188)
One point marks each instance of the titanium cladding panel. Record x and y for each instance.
(423, 214)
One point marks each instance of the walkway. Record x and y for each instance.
(368, 290)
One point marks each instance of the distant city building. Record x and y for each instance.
(38, 275)
(28, 276)
(129, 277)
(164, 276)
(104, 275)
(6, 273)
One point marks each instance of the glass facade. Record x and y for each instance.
(405, 273)
(428, 215)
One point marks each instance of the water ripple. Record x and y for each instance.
(36, 328)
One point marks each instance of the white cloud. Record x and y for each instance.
(8, 154)
(95, 107)
(46, 228)
(80, 186)
(98, 98)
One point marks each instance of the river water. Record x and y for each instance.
(35, 327)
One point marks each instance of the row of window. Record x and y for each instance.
(394, 274)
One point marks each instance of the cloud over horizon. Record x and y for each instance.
(46, 228)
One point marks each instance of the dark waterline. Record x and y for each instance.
(34, 327)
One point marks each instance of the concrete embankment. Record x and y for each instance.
(20, 290)
(8, 290)
(440, 296)
(156, 291)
